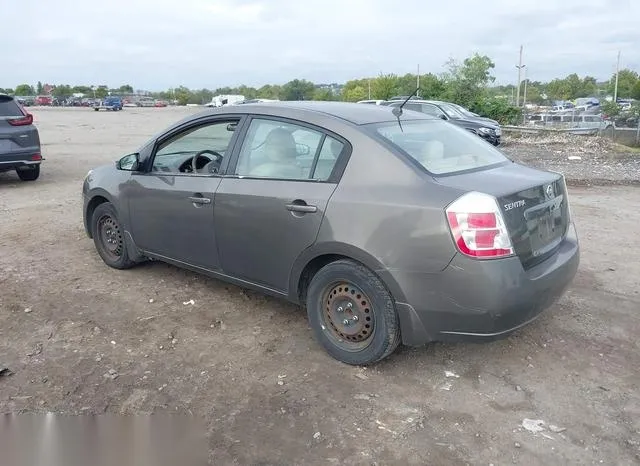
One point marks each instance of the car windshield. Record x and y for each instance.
(440, 147)
(464, 111)
(452, 111)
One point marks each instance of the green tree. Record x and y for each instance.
(125, 89)
(7, 91)
(627, 80)
(431, 87)
(24, 90)
(269, 91)
(467, 82)
(610, 108)
(355, 93)
(384, 86)
(39, 88)
(298, 89)
(62, 91)
(323, 94)
(182, 95)
(635, 92)
(86, 90)
(101, 91)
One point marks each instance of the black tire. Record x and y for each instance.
(350, 286)
(29, 174)
(108, 237)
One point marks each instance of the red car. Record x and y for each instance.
(160, 103)
(44, 100)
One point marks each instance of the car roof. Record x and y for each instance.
(357, 114)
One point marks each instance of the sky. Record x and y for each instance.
(159, 44)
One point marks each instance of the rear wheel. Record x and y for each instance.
(30, 173)
(352, 313)
(108, 237)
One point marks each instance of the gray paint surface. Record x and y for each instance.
(380, 209)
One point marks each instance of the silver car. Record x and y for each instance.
(19, 140)
(388, 226)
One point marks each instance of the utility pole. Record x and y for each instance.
(519, 66)
(524, 98)
(369, 83)
(615, 89)
(418, 82)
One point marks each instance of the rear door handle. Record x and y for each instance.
(307, 209)
(200, 200)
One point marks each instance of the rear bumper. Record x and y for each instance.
(475, 300)
(12, 161)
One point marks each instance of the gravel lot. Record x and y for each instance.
(83, 338)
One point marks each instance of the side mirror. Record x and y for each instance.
(442, 116)
(129, 162)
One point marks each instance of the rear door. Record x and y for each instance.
(271, 209)
(18, 137)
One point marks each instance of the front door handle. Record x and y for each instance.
(200, 200)
(304, 208)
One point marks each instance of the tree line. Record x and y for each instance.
(469, 83)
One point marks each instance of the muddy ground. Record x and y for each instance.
(83, 338)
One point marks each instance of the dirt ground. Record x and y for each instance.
(83, 338)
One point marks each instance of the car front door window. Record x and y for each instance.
(198, 150)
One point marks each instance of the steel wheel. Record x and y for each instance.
(348, 316)
(110, 237)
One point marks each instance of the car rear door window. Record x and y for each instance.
(329, 154)
(279, 150)
(9, 107)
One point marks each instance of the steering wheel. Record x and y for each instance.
(217, 158)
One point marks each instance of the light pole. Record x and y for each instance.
(520, 66)
(615, 89)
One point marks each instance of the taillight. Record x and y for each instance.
(21, 120)
(478, 227)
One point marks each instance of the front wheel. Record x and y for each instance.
(108, 237)
(352, 313)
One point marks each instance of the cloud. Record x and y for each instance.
(157, 44)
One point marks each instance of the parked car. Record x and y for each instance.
(44, 100)
(112, 102)
(487, 129)
(371, 101)
(19, 140)
(387, 228)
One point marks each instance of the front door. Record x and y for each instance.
(171, 205)
(271, 211)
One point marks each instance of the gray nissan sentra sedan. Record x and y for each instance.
(388, 227)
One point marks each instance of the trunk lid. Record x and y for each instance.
(533, 203)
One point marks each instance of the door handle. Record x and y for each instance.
(200, 200)
(307, 209)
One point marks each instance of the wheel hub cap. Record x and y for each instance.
(348, 313)
(111, 236)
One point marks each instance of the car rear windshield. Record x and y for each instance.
(9, 107)
(440, 147)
